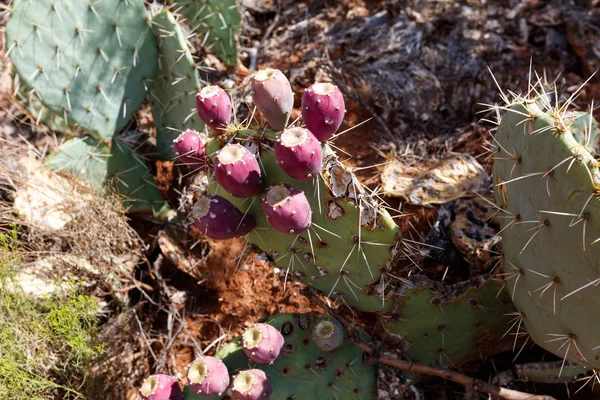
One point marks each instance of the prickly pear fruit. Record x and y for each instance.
(323, 109)
(328, 334)
(272, 94)
(217, 218)
(299, 153)
(287, 209)
(161, 387)
(262, 343)
(252, 384)
(214, 107)
(237, 171)
(208, 376)
(189, 148)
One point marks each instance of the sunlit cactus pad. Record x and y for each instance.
(216, 22)
(546, 183)
(89, 61)
(173, 94)
(352, 239)
(304, 371)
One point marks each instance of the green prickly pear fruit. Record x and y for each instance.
(262, 343)
(272, 94)
(546, 183)
(161, 387)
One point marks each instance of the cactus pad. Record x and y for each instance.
(449, 324)
(120, 166)
(547, 185)
(173, 94)
(304, 371)
(351, 238)
(216, 22)
(89, 60)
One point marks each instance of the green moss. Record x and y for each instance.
(46, 345)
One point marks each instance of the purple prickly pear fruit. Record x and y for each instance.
(189, 148)
(217, 218)
(262, 343)
(299, 153)
(237, 171)
(328, 334)
(252, 384)
(208, 376)
(323, 109)
(287, 209)
(272, 94)
(214, 107)
(161, 387)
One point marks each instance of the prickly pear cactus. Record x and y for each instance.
(304, 371)
(28, 98)
(351, 238)
(89, 61)
(118, 167)
(216, 22)
(449, 324)
(547, 184)
(173, 94)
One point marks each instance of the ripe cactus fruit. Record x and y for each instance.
(161, 387)
(546, 180)
(287, 209)
(214, 107)
(262, 343)
(208, 376)
(328, 333)
(189, 148)
(299, 153)
(252, 384)
(173, 93)
(217, 218)
(272, 94)
(323, 109)
(237, 171)
(90, 62)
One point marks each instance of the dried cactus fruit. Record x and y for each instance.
(208, 376)
(161, 387)
(546, 182)
(273, 96)
(92, 62)
(328, 333)
(173, 94)
(323, 109)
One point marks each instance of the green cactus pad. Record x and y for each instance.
(449, 324)
(36, 109)
(547, 184)
(585, 130)
(90, 60)
(304, 371)
(120, 166)
(217, 23)
(173, 94)
(344, 256)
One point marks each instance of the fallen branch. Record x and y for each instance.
(439, 371)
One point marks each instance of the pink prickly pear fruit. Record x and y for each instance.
(237, 171)
(328, 334)
(190, 148)
(252, 384)
(161, 387)
(272, 94)
(217, 218)
(262, 343)
(287, 209)
(323, 109)
(208, 376)
(299, 153)
(214, 107)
